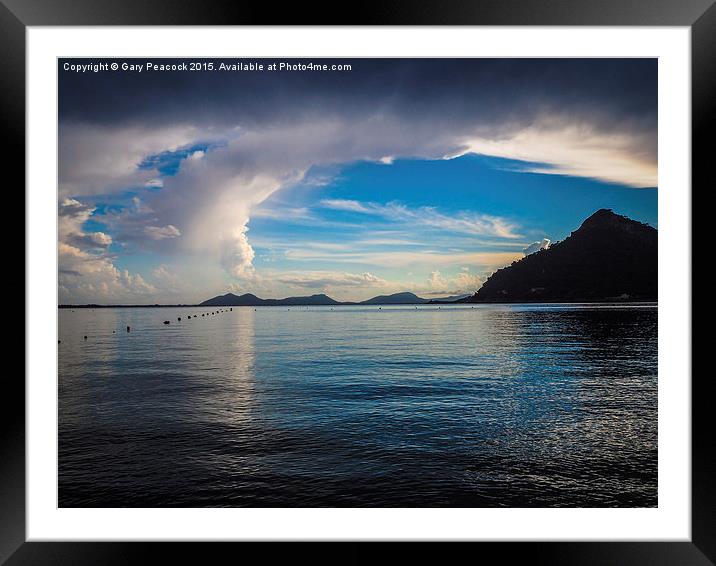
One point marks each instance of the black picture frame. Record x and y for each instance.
(699, 15)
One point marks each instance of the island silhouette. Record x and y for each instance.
(608, 258)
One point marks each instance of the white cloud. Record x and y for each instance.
(404, 259)
(103, 159)
(575, 149)
(330, 279)
(537, 246)
(162, 232)
(462, 283)
(237, 255)
(437, 281)
(86, 277)
(86, 272)
(349, 205)
(163, 273)
(467, 283)
(463, 222)
(211, 199)
(72, 214)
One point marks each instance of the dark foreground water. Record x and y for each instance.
(492, 406)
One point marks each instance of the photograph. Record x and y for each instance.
(357, 282)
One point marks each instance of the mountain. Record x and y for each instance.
(308, 301)
(609, 257)
(395, 299)
(452, 299)
(231, 300)
(249, 300)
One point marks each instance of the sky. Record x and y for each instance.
(420, 175)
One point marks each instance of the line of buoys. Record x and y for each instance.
(129, 328)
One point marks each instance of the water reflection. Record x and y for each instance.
(493, 406)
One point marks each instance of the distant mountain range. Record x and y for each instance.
(609, 258)
(249, 300)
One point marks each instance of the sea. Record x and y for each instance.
(358, 406)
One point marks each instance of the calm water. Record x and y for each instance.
(491, 406)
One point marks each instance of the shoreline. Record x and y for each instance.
(456, 303)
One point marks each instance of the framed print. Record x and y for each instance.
(428, 280)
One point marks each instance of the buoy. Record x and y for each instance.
(85, 337)
(178, 319)
(166, 322)
(114, 331)
(59, 341)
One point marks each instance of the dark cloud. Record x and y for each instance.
(448, 90)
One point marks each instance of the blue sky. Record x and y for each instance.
(366, 194)
(390, 220)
